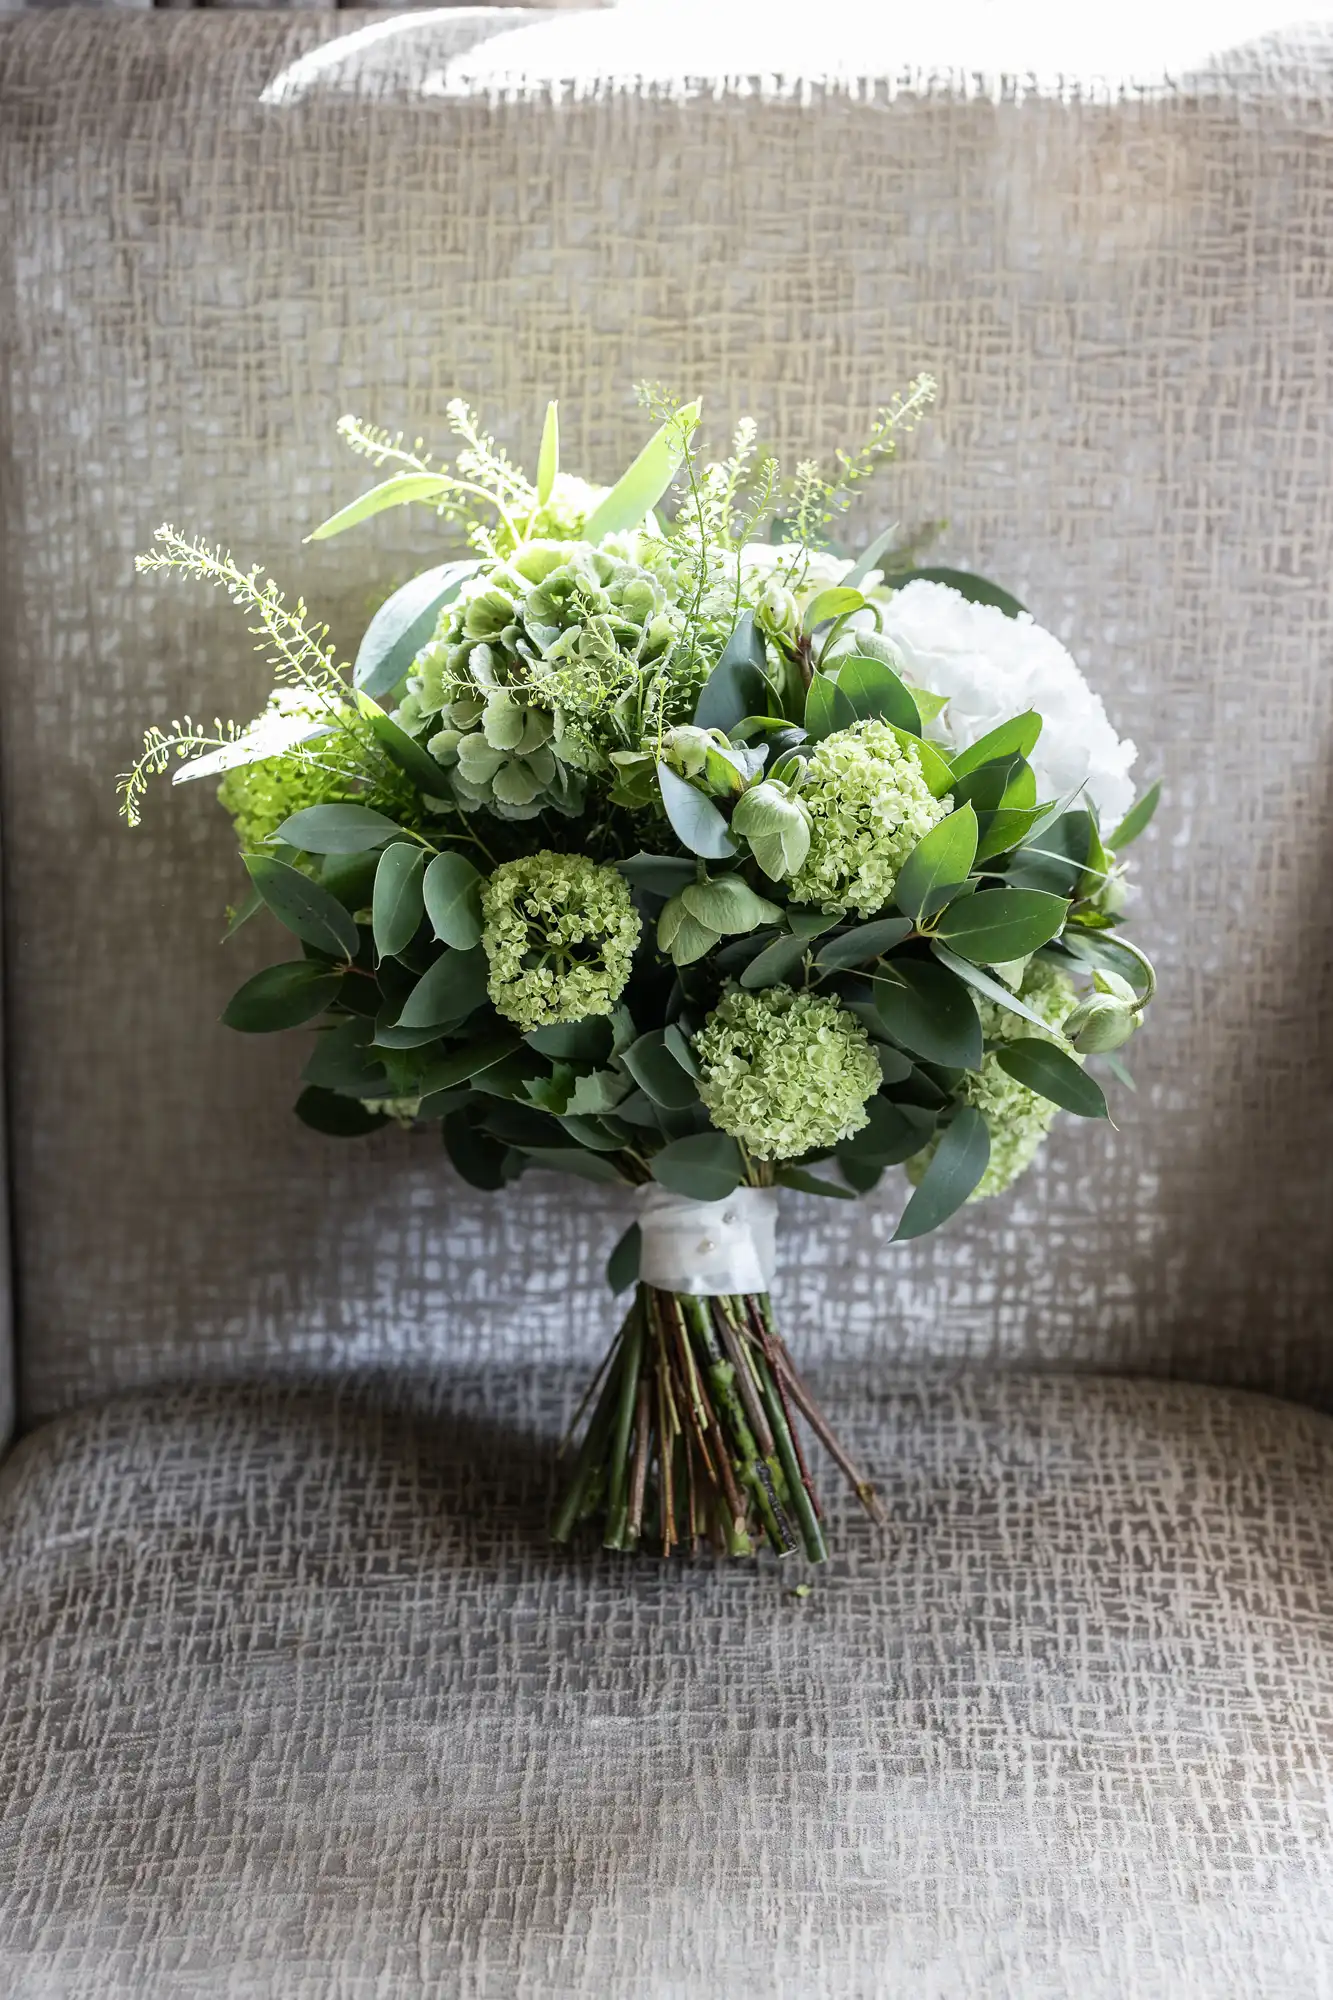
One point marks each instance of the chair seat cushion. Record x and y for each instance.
(295, 1701)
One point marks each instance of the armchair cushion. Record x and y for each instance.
(296, 1702)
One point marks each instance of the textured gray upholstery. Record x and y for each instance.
(1126, 298)
(296, 1704)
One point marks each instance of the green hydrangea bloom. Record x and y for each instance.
(869, 806)
(261, 796)
(785, 1072)
(559, 932)
(564, 515)
(1018, 1119)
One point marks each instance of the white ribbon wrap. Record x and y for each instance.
(708, 1247)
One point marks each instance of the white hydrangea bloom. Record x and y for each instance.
(813, 569)
(992, 667)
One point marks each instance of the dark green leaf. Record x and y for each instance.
(574, 1160)
(776, 964)
(976, 589)
(396, 910)
(452, 894)
(1053, 856)
(1005, 828)
(465, 1063)
(336, 1117)
(482, 1161)
(1005, 781)
(409, 755)
(388, 1035)
(1042, 1067)
(938, 866)
(706, 1166)
(826, 708)
(1137, 818)
(658, 1073)
(454, 986)
(250, 906)
(1017, 737)
(863, 1175)
(737, 686)
(337, 830)
(622, 1266)
(875, 691)
(641, 487)
(282, 996)
(587, 1041)
(866, 942)
(696, 820)
(342, 1061)
(959, 1162)
(403, 624)
(303, 906)
(894, 1133)
(982, 982)
(938, 776)
(660, 874)
(1105, 952)
(678, 1043)
(806, 1183)
(1001, 924)
(929, 1011)
(350, 878)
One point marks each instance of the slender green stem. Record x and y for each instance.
(589, 1454)
(617, 1501)
(811, 1533)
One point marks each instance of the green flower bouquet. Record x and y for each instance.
(655, 842)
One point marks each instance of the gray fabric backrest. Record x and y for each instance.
(1126, 299)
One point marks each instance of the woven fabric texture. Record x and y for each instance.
(1126, 300)
(295, 1704)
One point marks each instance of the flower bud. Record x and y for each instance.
(1101, 1023)
(685, 749)
(777, 608)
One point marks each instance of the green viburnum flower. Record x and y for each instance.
(785, 1072)
(559, 932)
(1018, 1119)
(869, 805)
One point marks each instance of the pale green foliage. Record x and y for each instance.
(869, 805)
(785, 1072)
(181, 740)
(559, 933)
(1017, 1118)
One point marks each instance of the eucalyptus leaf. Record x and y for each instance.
(403, 624)
(992, 989)
(451, 891)
(307, 909)
(660, 874)
(836, 602)
(575, 1160)
(639, 489)
(481, 1160)
(864, 943)
(869, 557)
(679, 1044)
(341, 1060)
(658, 1072)
(393, 492)
(336, 1117)
(1046, 1069)
(806, 1183)
(1002, 923)
(938, 866)
(938, 776)
(588, 1040)
(453, 988)
(706, 1166)
(776, 965)
(397, 907)
(622, 1266)
(925, 1008)
(737, 686)
(696, 821)
(893, 1134)
(337, 829)
(461, 1065)
(282, 996)
(959, 1161)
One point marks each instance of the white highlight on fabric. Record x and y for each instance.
(708, 1247)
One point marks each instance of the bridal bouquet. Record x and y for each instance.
(655, 843)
